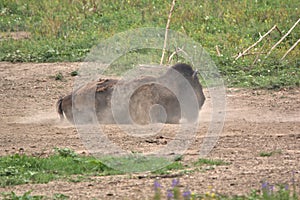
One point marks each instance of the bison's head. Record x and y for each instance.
(185, 83)
(191, 76)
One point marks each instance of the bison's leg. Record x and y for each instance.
(172, 108)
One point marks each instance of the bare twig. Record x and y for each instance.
(288, 51)
(253, 45)
(252, 53)
(278, 30)
(255, 53)
(283, 37)
(218, 51)
(166, 33)
(177, 50)
(258, 54)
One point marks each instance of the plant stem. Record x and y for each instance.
(166, 33)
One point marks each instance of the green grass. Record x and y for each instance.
(139, 163)
(28, 196)
(66, 164)
(265, 154)
(269, 153)
(175, 166)
(64, 31)
(20, 169)
(204, 161)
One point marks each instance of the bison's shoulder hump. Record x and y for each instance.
(183, 69)
(105, 84)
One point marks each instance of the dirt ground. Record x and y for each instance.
(256, 121)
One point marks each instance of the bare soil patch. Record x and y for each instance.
(256, 121)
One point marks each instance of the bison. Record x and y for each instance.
(175, 95)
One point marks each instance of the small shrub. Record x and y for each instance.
(66, 152)
(59, 76)
(74, 73)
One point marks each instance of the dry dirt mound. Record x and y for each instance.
(256, 121)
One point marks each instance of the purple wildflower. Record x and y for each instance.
(186, 194)
(293, 177)
(175, 182)
(265, 185)
(156, 185)
(271, 188)
(286, 187)
(170, 194)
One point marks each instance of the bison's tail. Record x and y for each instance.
(59, 108)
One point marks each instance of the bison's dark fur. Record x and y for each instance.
(146, 101)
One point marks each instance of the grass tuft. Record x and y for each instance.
(203, 161)
(270, 153)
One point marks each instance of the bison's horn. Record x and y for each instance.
(195, 74)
